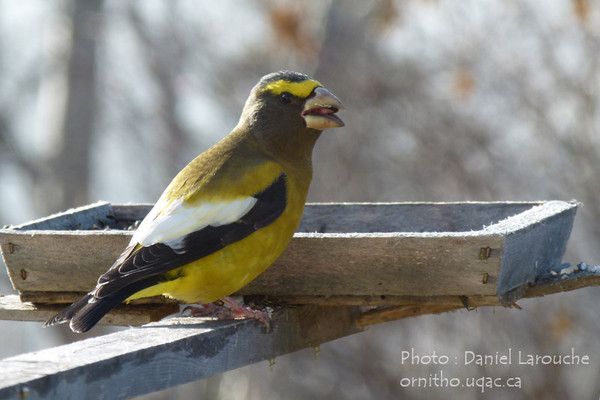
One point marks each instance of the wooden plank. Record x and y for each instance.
(557, 282)
(13, 309)
(389, 307)
(50, 297)
(364, 262)
(74, 219)
(533, 216)
(65, 298)
(381, 264)
(181, 350)
(377, 301)
(535, 243)
(385, 217)
(60, 261)
(378, 316)
(70, 297)
(165, 354)
(551, 283)
(317, 264)
(131, 212)
(407, 217)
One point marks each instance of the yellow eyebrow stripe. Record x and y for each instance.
(299, 89)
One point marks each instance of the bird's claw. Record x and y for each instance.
(230, 309)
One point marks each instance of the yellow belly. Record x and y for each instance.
(228, 270)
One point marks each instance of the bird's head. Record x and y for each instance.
(289, 109)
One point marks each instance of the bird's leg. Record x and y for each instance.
(239, 310)
(229, 308)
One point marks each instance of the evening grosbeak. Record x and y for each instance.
(230, 212)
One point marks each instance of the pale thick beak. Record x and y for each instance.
(320, 108)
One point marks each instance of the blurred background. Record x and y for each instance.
(445, 101)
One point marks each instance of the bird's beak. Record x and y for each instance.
(320, 108)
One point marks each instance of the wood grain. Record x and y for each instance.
(322, 264)
(328, 265)
(535, 244)
(60, 261)
(70, 297)
(348, 249)
(74, 219)
(407, 259)
(407, 217)
(387, 307)
(13, 309)
(385, 217)
(146, 359)
(387, 314)
(181, 350)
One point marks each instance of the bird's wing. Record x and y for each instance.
(175, 235)
(168, 223)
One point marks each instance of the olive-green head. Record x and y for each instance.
(290, 107)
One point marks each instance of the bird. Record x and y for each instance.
(227, 215)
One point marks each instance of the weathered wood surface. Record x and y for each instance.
(321, 217)
(181, 350)
(319, 264)
(394, 249)
(76, 219)
(534, 242)
(555, 281)
(13, 309)
(70, 297)
(142, 360)
(413, 259)
(60, 260)
(385, 264)
(387, 307)
(407, 217)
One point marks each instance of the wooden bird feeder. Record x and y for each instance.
(350, 265)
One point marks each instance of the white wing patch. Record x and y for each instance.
(171, 222)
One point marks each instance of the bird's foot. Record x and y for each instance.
(228, 308)
(239, 310)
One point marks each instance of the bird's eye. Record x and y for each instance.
(286, 98)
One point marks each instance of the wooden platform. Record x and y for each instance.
(341, 250)
(180, 350)
(145, 359)
(349, 266)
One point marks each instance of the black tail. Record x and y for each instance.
(87, 311)
(66, 314)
